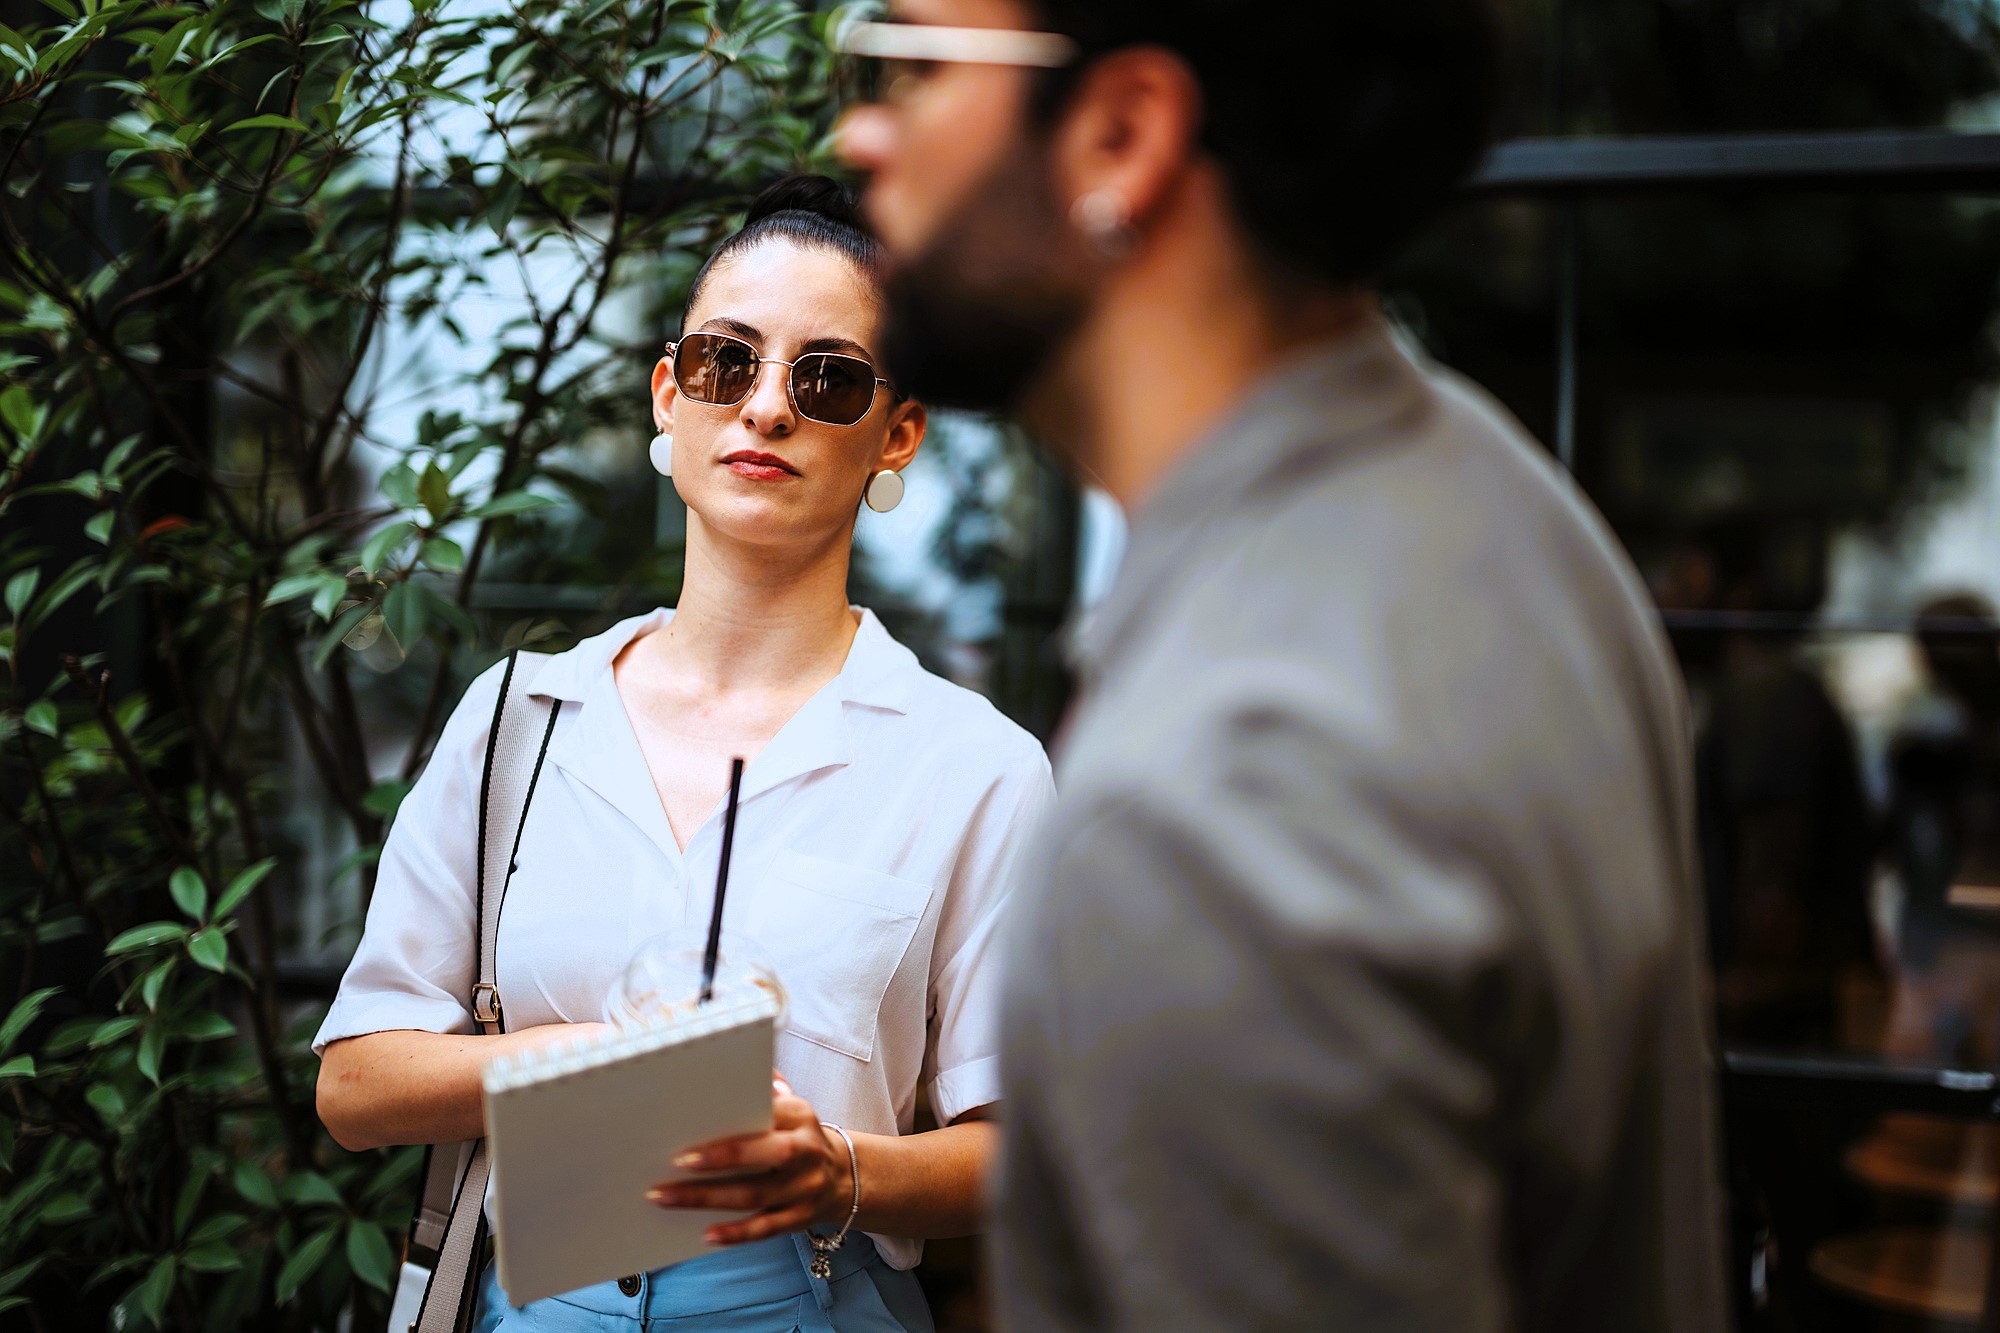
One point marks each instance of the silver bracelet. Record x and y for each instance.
(824, 1246)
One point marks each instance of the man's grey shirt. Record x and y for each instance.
(1355, 984)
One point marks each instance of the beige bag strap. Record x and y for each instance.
(448, 1229)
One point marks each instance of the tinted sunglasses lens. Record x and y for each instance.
(836, 390)
(713, 369)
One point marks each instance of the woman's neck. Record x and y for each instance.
(752, 619)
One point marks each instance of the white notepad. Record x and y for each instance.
(578, 1133)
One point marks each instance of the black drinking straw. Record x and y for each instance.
(721, 883)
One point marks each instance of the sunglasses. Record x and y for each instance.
(889, 61)
(720, 370)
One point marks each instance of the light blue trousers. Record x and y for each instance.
(766, 1287)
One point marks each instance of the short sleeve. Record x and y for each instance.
(962, 1061)
(413, 969)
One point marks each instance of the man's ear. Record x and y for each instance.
(1131, 133)
(907, 423)
(665, 394)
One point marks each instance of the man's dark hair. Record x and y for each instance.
(814, 211)
(1342, 125)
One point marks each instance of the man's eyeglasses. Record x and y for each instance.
(828, 387)
(892, 59)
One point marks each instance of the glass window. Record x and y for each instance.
(1788, 406)
(1731, 66)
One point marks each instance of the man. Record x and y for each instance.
(1356, 986)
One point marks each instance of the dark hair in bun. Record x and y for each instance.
(805, 210)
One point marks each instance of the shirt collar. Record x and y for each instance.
(603, 753)
(1320, 404)
(877, 674)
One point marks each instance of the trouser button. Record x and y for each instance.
(629, 1285)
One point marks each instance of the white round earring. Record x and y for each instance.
(661, 451)
(884, 491)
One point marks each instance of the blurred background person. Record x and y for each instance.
(1785, 825)
(1941, 845)
(1357, 981)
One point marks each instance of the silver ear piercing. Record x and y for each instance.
(1105, 220)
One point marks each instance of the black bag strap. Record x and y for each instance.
(448, 1229)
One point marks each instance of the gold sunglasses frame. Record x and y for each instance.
(791, 390)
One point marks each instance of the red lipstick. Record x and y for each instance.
(759, 466)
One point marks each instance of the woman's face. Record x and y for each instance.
(757, 471)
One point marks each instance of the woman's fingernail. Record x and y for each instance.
(687, 1161)
(658, 1195)
(712, 1237)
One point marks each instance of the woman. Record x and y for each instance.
(880, 810)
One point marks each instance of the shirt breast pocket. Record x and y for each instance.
(836, 934)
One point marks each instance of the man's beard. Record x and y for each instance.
(975, 319)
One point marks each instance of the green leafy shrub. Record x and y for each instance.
(231, 564)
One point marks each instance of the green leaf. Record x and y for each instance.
(153, 1292)
(368, 1253)
(190, 894)
(21, 413)
(20, 1273)
(326, 601)
(218, 1228)
(141, 937)
(75, 577)
(65, 1208)
(399, 486)
(243, 45)
(405, 612)
(354, 860)
(305, 1261)
(309, 1187)
(107, 1101)
(20, 588)
(23, 1014)
(210, 948)
(169, 46)
(444, 555)
(41, 716)
(513, 502)
(149, 989)
(152, 1049)
(20, 1066)
(111, 1029)
(212, 1258)
(379, 546)
(385, 797)
(270, 123)
(203, 1026)
(434, 489)
(98, 527)
(240, 887)
(190, 1195)
(391, 1179)
(293, 587)
(253, 1184)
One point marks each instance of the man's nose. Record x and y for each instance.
(865, 136)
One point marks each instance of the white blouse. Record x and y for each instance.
(874, 843)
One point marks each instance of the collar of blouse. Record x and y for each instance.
(595, 742)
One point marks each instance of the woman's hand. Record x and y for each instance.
(794, 1177)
